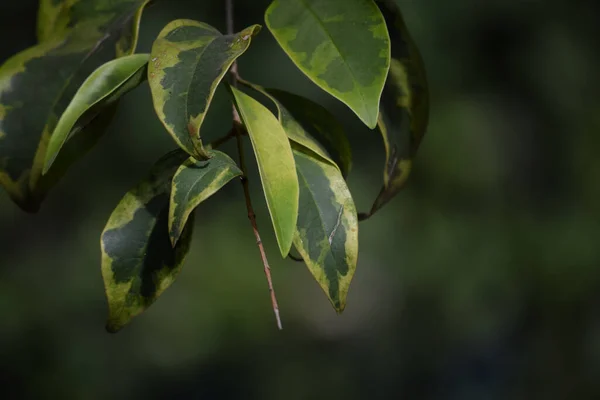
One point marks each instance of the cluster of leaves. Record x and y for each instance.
(58, 97)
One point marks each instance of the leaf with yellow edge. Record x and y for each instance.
(138, 261)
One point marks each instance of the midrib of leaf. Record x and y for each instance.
(362, 97)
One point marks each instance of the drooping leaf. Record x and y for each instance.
(327, 230)
(188, 61)
(303, 120)
(343, 46)
(404, 107)
(275, 164)
(309, 120)
(37, 85)
(138, 260)
(103, 87)
(194, 182)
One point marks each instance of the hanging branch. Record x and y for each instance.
(237, 127)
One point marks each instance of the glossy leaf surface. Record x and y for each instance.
(275, 164)
(404, 107)
(37, 85)
(327, 228)
(138, 260)
(343, 46)
(194, 182)
(103, 87)
(188, 61)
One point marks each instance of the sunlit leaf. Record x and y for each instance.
(343, 46)
(37, 85)
(327, 230)
(404, 107)
(187, 62)
(138, 260)
(194, 182)
(275, 164)
(103, 87)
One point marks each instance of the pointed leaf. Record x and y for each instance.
(103, 87)
(327, 230)
(343, 46)
(404, 107)
(138, 261)
(194, 182)
(37, 85)
(275, 164)
(188, 61)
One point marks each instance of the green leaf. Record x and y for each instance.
(194, 182)
(275, 164)
(188, 61)
(138, 261)
(103, 87)
(304, 120)
(327, 230)
(56, 17)
(343, 46)
(404, 107)
(37, 85)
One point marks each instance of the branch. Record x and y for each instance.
(237, 124)
(224, 139)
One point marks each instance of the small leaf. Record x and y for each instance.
(327, 231)
(138, 261)
(103, 87)
(194, 182)
(188, 61)
(275, 164)
(37, 85)
(343, 46)
(404, 107)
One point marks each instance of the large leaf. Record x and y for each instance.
(55, 17)
(327, 228)
(37, 85)
(404, 107)
(103, 87)
(194, 182)
(138, 261)
(275, 164)
(188, 61)
(343, 46)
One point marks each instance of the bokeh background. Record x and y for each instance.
(480, 281)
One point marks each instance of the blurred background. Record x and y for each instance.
(480, 281)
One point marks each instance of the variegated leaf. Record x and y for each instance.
(327, 230)
(56, 17)
(194, 182)
(138, 260)
(343, 46)
(103, 87)
(37, 85)
(404, 107)
(188, 61)
(275, 164)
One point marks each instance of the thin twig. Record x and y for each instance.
(237, 124)
(224, 139)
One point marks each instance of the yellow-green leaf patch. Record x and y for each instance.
(343, 46)
(275, 164)
(404, 107)
(138, 260)
(188, 61)
(103, 87)
(327, 230)
(194, 182)
(37, 85)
